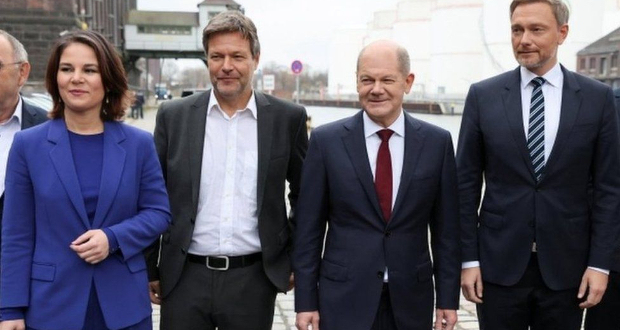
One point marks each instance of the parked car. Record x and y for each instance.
(41, 100)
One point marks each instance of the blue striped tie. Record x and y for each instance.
(536, 133)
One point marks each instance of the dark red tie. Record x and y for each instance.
(383, 174)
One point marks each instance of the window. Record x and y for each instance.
(614, 61)
(592, 63)
(582, 63)
(602, 69)
(168, 30)
(213, 14)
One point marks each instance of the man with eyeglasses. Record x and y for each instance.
(15, 114)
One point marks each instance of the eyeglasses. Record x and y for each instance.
(2, 65)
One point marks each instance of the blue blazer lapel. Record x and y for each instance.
(62, 158)
(265, 117)
(414, 142)
(112, 169)
(571, 103)
(355, 144)
(514, 113)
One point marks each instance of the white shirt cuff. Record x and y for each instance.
(604, 271)
(470, 264)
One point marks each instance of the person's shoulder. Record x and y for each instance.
(278, 103)
(185, 103)
(34, 110)
(428, 128)
(498, 81)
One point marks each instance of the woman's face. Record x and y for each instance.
(79, 80)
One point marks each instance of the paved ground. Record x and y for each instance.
(284, 317)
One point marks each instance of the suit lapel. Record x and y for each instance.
(355, 144)
(265, 118)
(112, 169)
(414, 142)
(27, 116)
(196, 129)
(62, 158)
(514, 113)
(571, 103)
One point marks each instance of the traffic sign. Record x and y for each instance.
(269, 82)
(296, 67)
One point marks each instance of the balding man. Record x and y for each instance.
(15, 114)
(379, 179)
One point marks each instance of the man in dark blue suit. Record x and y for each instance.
(606, 315)
(541, 139)
(15, 114)
(379, 180)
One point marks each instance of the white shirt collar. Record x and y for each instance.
(553, 77)
(17, 114)
(398, 126)
(213, 102)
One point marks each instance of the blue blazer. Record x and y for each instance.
(572, 230)
(44, 212)
(343, 277)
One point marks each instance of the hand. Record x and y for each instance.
(306, 319)
(445, 319)
(92, 246)
(291, 282)
(13, 325)
(471, 283)
(594, 283)
(155, 292)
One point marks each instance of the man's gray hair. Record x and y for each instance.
(402, 55)
(232, 21)
(19, 52)
(559, 8)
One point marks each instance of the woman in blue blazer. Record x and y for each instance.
(84, 196)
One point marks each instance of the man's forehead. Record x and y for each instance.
(6, 51)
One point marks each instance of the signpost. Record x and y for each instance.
(296, 67)
(269, 82)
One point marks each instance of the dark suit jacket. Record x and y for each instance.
(282, 144)
(571, 231)
(45, 212)
(343, 279)
(616, 262)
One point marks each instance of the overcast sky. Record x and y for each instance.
(293, 29)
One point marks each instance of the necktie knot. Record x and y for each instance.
(538, 81)
(385, 134)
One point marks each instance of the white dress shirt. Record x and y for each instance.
(397, 152)
(227, 220)
(7, 134)
(552, 93)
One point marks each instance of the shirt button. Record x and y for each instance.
(380, 275)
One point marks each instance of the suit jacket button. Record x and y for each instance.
(388, 233)
(183, 251)
(380, 275)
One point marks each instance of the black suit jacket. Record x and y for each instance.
(616, 263)
(571, 230)
(179, 138)
(342, 276)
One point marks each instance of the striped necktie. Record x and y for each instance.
(536, 133)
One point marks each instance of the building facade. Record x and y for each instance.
(600, 60)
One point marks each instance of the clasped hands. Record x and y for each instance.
(92, 246)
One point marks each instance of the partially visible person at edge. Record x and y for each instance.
(545, 143)
(606, 315)
(15, 113)
(227, 155)
(84, 196)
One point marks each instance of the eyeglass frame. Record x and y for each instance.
(2, 65)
